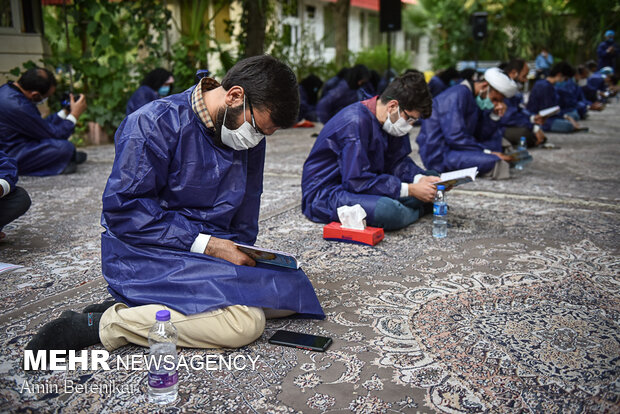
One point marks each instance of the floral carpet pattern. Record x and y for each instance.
(517, 311)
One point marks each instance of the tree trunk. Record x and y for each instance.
(341, 34)
(255, 11)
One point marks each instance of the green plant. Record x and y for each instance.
(376, 58)
(112, 47)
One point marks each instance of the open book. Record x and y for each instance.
(458, 177)
(549, 111)
(272, 257)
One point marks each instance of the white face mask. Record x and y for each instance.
(398, 128)
(42, 101)
(242, 138)
(582, 82)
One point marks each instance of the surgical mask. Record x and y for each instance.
(398, 128)
(242, 138)
(164, 90)
(42, 101)
(582, 82)
(485, 103)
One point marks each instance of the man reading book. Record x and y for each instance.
(362, 157)
(185, 185)
(464, 130)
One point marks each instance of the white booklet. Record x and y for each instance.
(458, 177)
(549, 111)
(7, 267)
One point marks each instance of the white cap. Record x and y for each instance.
(501, 82)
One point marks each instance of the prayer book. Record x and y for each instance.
(7, 267)
(549, 111)
(458, 177)
(272, 257)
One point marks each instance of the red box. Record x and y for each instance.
(370, 235)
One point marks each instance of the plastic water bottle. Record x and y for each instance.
(440, 213)
(163, 377)
(520, 150)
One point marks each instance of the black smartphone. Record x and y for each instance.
(301, 340)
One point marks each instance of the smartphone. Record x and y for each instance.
(301, 340)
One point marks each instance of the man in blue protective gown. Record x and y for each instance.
(607, 51)
(185, 185)
(347, 91)
(156, 84)
(464, 130)
(362, 157)
(14, 201)
(39, 146)
(544, 95)
(518, 122)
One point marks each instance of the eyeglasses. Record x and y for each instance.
(256, 128)
(410, 119)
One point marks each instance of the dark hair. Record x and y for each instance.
(592, 65)
(411, 70)
(342, 73)
(269, 85)
(37, 79)
(582, 70)
(564, 68)
(469, 74)
(514, 64)
(411, 92)
(356, 74)
(448, 74)
(156, 78)
(311, 85)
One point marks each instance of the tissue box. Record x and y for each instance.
(370, 235)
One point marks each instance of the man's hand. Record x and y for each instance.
(503, 157)
(540, 137)
(424, 190)
(597, 106)
(539, 119)
(226, 249)
(500, 109)
(78, 107)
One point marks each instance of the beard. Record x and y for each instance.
(232, 115)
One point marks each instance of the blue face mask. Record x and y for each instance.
(485, 103)
(164, 90)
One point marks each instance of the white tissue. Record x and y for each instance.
(352, 217)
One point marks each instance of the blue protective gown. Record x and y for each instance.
(39, 145)
(143, 95)
(337, 98)
(170, 182)
(516, 115)
(354, 161)
(330, 84)
(606, 58)
(572, 98)
(597, 82)
(8, 169)
(436, 86)
(458, 132)
(543, 96)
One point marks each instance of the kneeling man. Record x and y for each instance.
(362, 157)
(185, 185)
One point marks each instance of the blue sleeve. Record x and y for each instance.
(131, 207)
(245, 221)
(28, 122)
(355, 168)
(8, 169)
(454, 125)
(398, 162)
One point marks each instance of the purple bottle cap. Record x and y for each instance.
(163, 315)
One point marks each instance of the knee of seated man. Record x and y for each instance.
(24, 198)
(246, 324)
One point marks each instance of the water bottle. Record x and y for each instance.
(521, 149)
(440, 213)
(163, 377)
